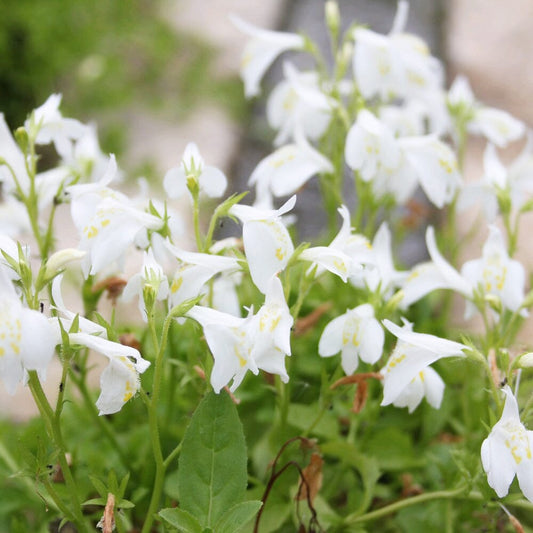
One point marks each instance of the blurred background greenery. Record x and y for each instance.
(105, 56)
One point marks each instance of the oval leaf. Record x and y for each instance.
(212, 474)
(238, 516)
(181, 520)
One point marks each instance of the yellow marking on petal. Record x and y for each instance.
(2, 351)
(422, 376)
(15, 347)
(415, 78)
(280, 254)
(448, 166)
(340, 265)
(91, 231)
(176, 284)
(105, 222)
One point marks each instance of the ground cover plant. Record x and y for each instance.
(259, 383)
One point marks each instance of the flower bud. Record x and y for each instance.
(333, 17)
(61, 259)
(21, 136)
(526, 360)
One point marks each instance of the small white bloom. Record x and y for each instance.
(13, 156)
(506, 452)
(151, 274)
(394, 65)
(496, 273)
(289, 168)
(426, 384)
(211, 181)
(46, 124)
(297, 103)
(432, 275)
(345, 255)
(27, 340)
(356, 334)
(261, 51)
(413, 353)
(267, 243)
(381, 274)
(498, 126)
(257, 342)
(119, 381)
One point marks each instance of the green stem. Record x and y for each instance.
(160, 466)
(54, 431)
(402, 504)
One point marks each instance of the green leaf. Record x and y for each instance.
(238, 516)
(212, 473)
(180, 519)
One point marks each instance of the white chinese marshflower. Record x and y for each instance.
(345, 255)
(495, 273)
(297, 103)
(381, 275)
(46, 125)
(409, 362)
(395, 65)
(11, 162)
(150, 283)
(498, 126)
(27, 340)
(287, 169)
(511, 185)
(267, 243)
(257, 342)
(432, 275)
(194, 270)
(119, 381)
(396, 166)
(261, 51)
(107, 222)
(193, 172)
(507, 451)
(356, 334)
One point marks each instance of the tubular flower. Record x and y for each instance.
(507, 451)
(408, 362)
(27, 340)
(267, 243)
(496, 273)
(261, 51)
(356, 334)
(498, 126)
(210, 180)
(257, 342)
(394, 65)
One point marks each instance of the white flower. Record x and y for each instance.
(396, 166)
(13, 156)
(267, 243)
(27, 340)
(426, 384)
(107, 222)
(381, 274)
(119, 381)
(506, 452)
(413, 353)
(256, 342)
(498, 126)
(496, 273)
(194, 271)
(289, 168)
(514, 182)
(356, 334)
(46, 124)
(261, 51)
(211, 181)
(344, 256)
(394, 65)
(297, 103)
(432, 275)
(152, 275)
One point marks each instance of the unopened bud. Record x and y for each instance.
(61, 259)
(21, 136)
(494, 302)
(526, 360)
(333, 18)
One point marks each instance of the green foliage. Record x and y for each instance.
(212, 466)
